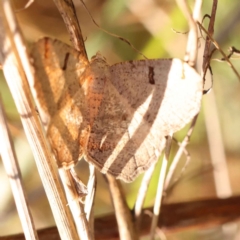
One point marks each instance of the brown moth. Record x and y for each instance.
(116, 117)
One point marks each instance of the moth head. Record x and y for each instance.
(98, 57)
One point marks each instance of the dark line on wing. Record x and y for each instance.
(65, 61)
(151, 75)
(46, 48)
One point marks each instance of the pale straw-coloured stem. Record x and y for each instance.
(17, 71)
(158, 199)
(123, 215)
(12, 169)
(75, 205)
(142, 194)
(89, 201)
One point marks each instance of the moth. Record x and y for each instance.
(115, 117)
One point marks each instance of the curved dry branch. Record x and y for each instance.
(177, 217)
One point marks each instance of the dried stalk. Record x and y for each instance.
(158, 200)
(179, 153)
(194, 215)
(220, 50)
(142, 195)
(89, 201)
(12, 169)
(123, 215)
(191, 49)
(208, 42)
(216, 146)
(75, 205)
(68, 12)
(190, 57)
(16, 68)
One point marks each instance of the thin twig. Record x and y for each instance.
(191, 52)
(232, 51)
(142, 194)
(208, 42)
(89, 202)
(179, 153)
(16, 68)
(68, 12)
(175, 218)
(122, 212)
(158, 200)
(75, 205)
(192, 40)
(218, 158)
(12, 169)
(180, 175)
(220, 50)
(191, 49)
(112, 34)
(216, 147)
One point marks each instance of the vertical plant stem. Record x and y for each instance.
(208, 42)
(191, 54)
(141, 195)
(76, 207)
(218, 158)
(68, 12)
(16, 68)
(179, 153)
(89, 201)
(12, 169)
(192, 46)
(124, 217)
(158, 200)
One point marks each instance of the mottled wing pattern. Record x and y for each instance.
(143, 102)
(177, 90)
(60, 97)
(118, 116)
(57, 69)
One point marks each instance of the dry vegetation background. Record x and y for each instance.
(148, 25)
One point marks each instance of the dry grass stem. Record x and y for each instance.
(168, 187)
(158, 199)
(16, 68)
(112, 34)
(191, 49)
(220, 50)
(68, 13)
(12, 169)
(75, 205)
(89, 201)
(193, 215)
(208, 42)
(179, 153)
(142, 194)
(216, 147)
(123, 215)
(67, 10)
